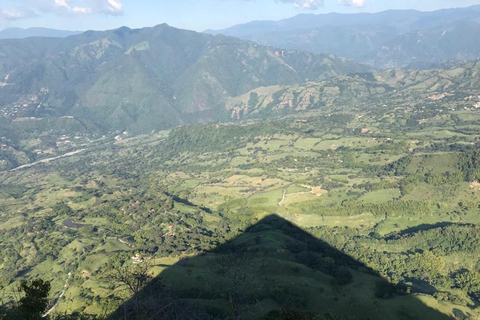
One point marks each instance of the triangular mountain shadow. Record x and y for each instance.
(274, 265)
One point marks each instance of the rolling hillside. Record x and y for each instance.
(392, 87)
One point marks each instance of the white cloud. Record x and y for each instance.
(305, 4)
(315, 4)
(109, 7)
(62, 7)
(308, 4)
(115, 6)
(10, 14)
(352, 3)
(16, 14)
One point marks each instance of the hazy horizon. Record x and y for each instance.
(187, 14)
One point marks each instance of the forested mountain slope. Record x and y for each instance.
(146, 79)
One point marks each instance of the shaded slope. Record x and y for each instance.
(274, 265)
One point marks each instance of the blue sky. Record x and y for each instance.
(189, 14)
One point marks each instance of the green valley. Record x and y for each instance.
(69, 91)
(391, 183)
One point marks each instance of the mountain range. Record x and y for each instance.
(142, 80)
(387, 39)
(145, 79)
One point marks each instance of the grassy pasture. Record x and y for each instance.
(380, 196)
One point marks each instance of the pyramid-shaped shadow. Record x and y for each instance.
(273, 265)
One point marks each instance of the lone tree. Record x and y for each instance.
(129, 276)
(35, 300)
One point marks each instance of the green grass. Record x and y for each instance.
(11, 223)
(381, 196)
(268, 199)
(297, 189)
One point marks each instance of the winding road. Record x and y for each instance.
(57, 300)
(28, 165)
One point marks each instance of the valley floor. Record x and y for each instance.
(372, 220)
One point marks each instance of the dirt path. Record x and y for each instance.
(283, 198)
(57, 301)
(125, 242)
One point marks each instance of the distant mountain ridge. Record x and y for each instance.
(19, 33)
(404, 20)
(386, 39)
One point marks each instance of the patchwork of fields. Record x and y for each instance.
(402, 200)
